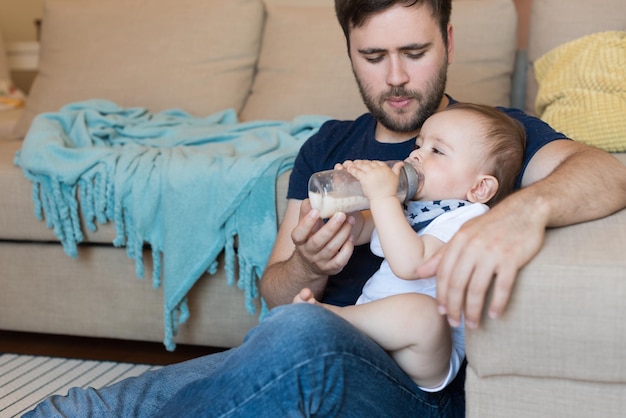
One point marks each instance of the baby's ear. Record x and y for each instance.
(484, 189)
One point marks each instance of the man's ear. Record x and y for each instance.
(484, 189)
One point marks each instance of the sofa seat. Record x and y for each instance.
(127, 308)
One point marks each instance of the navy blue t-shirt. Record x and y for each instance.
(337, 141)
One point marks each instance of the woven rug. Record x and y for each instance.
(26, 380)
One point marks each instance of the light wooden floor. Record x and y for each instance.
(98, 348)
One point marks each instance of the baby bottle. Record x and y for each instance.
(333, 191)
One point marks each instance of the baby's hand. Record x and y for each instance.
(344, 165)
(376, 178)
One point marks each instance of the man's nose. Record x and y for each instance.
(397, 75)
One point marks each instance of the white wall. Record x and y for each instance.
(17, 19)
(17, 24)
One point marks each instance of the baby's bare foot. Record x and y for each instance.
(305, 296)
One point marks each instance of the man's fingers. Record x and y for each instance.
(454, 284)
(306, 226)
(305, 207)
(340, 235)
(464, 279)
(476, 291)
(326, 247)
(502, 289)
(341, 257)
(450, 295)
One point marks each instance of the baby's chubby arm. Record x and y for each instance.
(402, 247)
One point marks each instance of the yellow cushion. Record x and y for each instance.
(582, 89)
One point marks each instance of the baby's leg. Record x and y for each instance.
(409, 327)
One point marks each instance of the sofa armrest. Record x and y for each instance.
(566, 315)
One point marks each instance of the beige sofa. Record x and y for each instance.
(562, 337)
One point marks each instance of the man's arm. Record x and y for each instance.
(565, 183)
(305, 253)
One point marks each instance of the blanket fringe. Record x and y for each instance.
(248, 274)
(56, 202)
(157, 265)
(248, 277)
(230, 255)
(173, 319)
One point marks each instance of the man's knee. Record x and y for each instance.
(303, 323)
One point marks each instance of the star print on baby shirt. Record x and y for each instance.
(421, 213)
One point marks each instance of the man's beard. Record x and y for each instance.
(428, 102)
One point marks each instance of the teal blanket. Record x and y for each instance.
(186, 186)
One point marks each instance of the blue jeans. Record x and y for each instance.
(302, 360)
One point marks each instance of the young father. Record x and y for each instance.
(303, 360)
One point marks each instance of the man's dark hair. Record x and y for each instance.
(354, 13)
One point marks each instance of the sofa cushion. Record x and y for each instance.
(554, 22)
(162, 54)
(485, 41)
(313, 63)
(303, 66)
